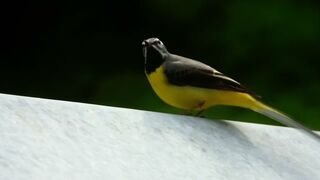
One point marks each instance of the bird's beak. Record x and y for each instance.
(144, 49)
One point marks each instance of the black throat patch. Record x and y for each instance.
(153, 61)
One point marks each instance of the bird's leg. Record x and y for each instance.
(196, 110)
(200, 105)
(198, 114)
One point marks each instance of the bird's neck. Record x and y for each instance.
(153, 60)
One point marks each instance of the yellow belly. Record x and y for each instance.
(194, 98)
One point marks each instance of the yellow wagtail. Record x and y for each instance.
(191, 85)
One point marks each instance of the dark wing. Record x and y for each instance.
(182, 71)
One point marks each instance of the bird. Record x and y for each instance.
(193, 86)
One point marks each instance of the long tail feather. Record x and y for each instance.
(284, 119)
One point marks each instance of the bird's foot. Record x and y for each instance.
(187, 113)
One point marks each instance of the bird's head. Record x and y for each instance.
(154, 53)
(153, 47)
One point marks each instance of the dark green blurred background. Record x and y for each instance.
(90, 51)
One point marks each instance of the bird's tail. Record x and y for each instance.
(282, 118)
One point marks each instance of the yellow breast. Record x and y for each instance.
(184, 97)
(194, 98)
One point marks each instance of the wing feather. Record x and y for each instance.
(183, 71)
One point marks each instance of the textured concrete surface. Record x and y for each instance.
(48, 139)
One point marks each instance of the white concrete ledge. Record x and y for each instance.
(49, 139)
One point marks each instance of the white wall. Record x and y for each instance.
(48, 139)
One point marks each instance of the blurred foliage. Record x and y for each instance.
(90, 51)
